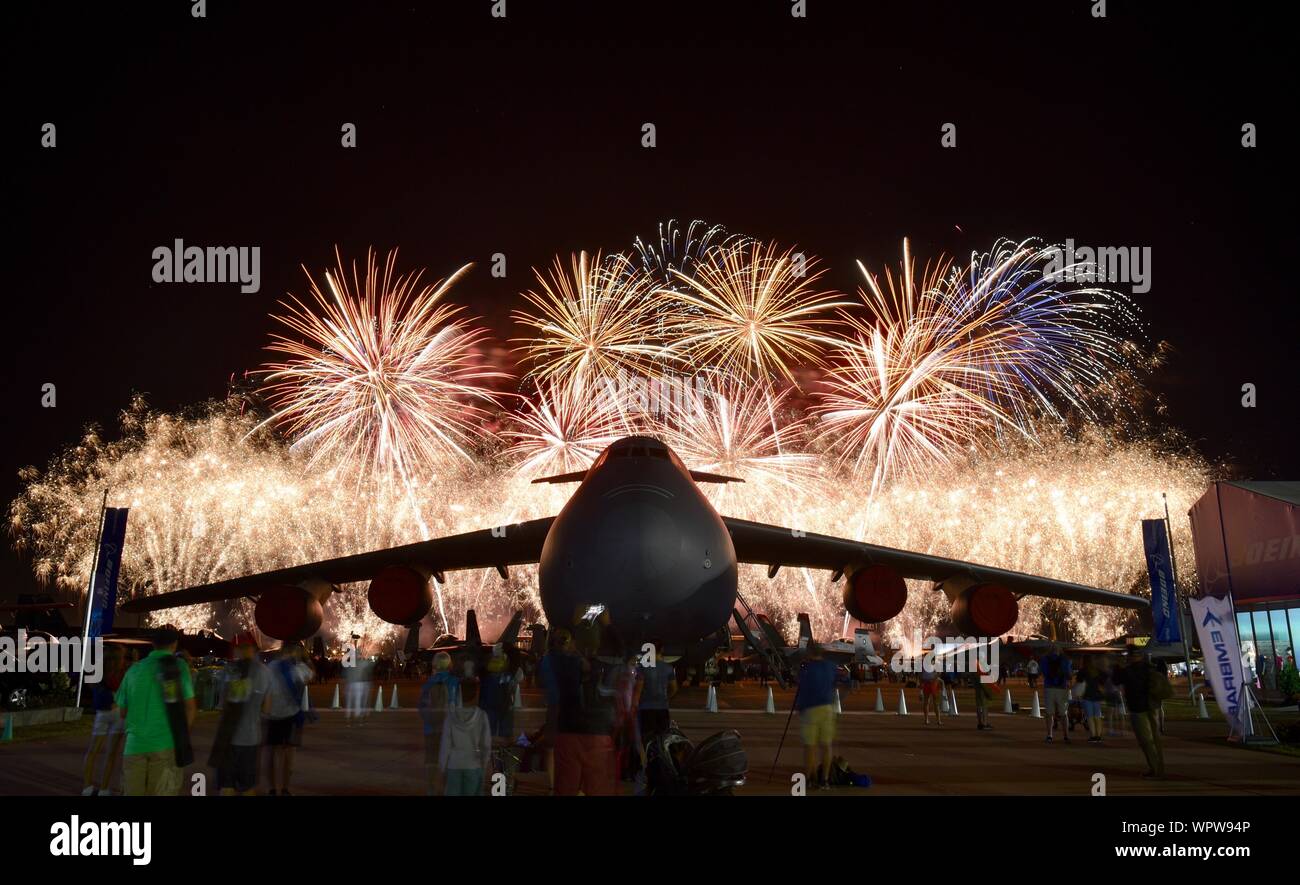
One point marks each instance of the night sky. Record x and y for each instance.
(523, 136)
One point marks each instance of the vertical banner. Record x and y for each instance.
(103, 600)
(1160, 568)
(1223, 669)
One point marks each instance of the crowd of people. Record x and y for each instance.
(605, 708)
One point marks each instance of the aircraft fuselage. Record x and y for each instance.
(640, 538)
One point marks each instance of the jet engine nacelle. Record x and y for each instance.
(982, 609)
(873, 593)
(291, 612)
(401, 594)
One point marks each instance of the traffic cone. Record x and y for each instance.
(8, 734)
(1201, 712)
(838, 708)
(880, 702)
(1036, 712)
(712, 705)
(953, 703)
(306, 700)
(519, 697)
(392, 702)
(334, 704)
(771, 701)
(379, 699)
(902, 703)
(1007, 707)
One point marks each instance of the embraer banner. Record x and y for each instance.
(1164, 599)
(1218, 633)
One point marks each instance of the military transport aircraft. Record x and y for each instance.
(639, 538)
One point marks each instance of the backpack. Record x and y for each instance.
(1052, 667)
(1158, 686)
(169, 673)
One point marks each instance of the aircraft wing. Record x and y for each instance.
(516, 544)
(773, 545)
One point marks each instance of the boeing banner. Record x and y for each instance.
(1164, 595)
(1223, 668)
(104, 587)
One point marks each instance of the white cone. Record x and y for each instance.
(519, 697)
(379, 699)
(392, 703)
(953, 703)
(880, 702)
(1036, 712)
(838, 708)
(943, 703)
(902, 703)
(334, 704)
(712, 704)
(1201, 712)
(306, 701)
(1006, 703)
(771, 701)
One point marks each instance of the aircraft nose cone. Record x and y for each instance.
(642, 541)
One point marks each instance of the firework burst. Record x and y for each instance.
(740, 430)
(676, 254)
(592, 321)
(381, 375)
(1043, 348)
(944, 365)
(563, 429)
(952, 358)
(751, 310)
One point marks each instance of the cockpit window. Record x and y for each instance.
(632, 451)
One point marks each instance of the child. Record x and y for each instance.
(466, 749)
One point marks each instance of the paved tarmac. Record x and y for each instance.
(384, 756)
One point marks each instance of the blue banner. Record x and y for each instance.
(1160, 567)
(103, 600)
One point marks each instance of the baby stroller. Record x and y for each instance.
(676, 767)
(524, 755)
(1075, 713)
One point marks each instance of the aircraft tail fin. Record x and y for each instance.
(472, 638)
(510, 635)
(576, 476)
(805, 630)
(704, 476)
(538, 644)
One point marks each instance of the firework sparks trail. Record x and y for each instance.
(381, 376)
(593, 321)
(209, 502)
(731, 432)
(678, 254)
(215, 495)
(564, 429)
(952, 358)
(751, 310)
(1043, 347)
